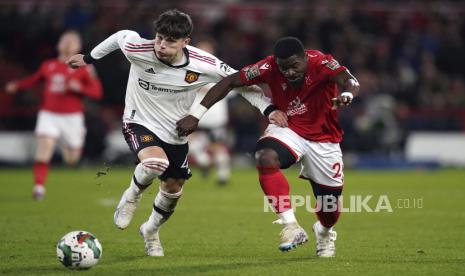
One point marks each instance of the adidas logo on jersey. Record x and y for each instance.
(150, 70)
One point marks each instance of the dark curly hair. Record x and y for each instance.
(288, 46)
(174, 24)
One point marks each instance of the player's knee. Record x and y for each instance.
(320, 190)
(155, 166)
(149, 169)
(71, 161)
(172, 186)
(267, 158)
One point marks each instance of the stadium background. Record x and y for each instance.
(408, 57)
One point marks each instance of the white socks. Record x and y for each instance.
(287, 217)
(163, 208)
(222, 162)
(321, 229)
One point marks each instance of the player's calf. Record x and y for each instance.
(145, 172)
(163, 207)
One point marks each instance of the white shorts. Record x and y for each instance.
(68, 127)
(320, 162)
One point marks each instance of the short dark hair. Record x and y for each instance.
(288, 46)
(174, 24)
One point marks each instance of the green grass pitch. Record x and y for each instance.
(224, 230)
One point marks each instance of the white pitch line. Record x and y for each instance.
(108, 201)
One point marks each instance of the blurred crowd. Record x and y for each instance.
(407, 55)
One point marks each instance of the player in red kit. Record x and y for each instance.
(61, 111)
(304, 85)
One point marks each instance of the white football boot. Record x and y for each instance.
(292, 236)
(125, 210)
(38, 192)
(325, 243)
(152, 242)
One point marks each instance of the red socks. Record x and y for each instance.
(40, 172)
(328, 219)
(275, 187)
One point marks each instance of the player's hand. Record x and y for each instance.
(75, 86)
(342, 100)
(11, 87)
(278, 118)
(186, 125)
(76, 61)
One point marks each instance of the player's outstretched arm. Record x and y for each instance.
(188, 124)
(221, 89)
(112, 43)
(13, 86)
(350, 87)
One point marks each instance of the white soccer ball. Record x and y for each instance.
(79, 250)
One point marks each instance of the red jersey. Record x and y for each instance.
(308, 106)
(58, 97)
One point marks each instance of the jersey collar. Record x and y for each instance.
(186, 53)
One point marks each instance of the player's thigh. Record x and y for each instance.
(72, 131)
(47, 125)
(179, 165)
(151, 152)
(45, 148)
(287, 144)
(142, 142)
(145, 144)
(323, 164)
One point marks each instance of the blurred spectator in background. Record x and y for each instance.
(408, 52)
(61, 113)
(209, 144)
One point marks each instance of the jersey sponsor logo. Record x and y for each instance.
(225, 68)
(146, 138)
(153, 87)
(296, 107)
(150, 71)
(191, 76)
(144, 84)
(252, 72)
(333, 64)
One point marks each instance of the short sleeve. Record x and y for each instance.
(329, 67)
(256, 73)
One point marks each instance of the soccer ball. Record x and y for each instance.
(79, 250)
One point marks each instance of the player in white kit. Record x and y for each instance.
(208, 145)
(164, 76)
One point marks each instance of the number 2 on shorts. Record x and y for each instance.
(337, 168)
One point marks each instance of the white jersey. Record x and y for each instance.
(159, 94)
